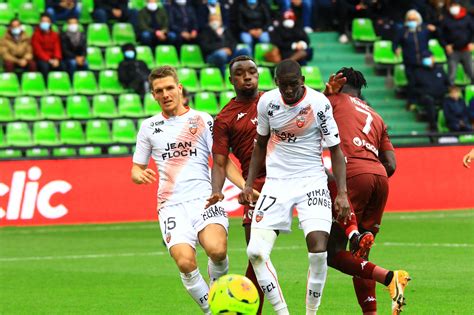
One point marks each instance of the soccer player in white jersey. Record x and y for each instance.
(179, 139)
(293, 120)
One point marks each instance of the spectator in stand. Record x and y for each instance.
(253, 20)
(46, 47)
(117, 10)
(430, 86)
(218, 44)
(15, 49)
(205, 9)
(74, 46)
(183, 22)
(153, 24)
(436, 12)
(411, 42)
(133, 73)
(457, 38)
(456, 111)
(291, 40)
(302, 10)
(347, 10)
(471, 111)
(323, 14)
(62, 10)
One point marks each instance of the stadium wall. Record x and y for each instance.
(99, 190)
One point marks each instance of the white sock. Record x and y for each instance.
(197, 288)
(258, 251)
(318, 268)
(217, 269)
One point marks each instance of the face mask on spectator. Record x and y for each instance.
(44, 26)
(454, 10)
(427, 62)
(16, 31)
(411, 24)
(129, 54)
(214, 25)
(180, 2)
(152, 6)
(288, 23)
(73, 28)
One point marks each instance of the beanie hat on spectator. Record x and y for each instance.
(289, 15)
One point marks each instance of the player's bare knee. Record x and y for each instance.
(186, 264)
(316, 241)
(217, 253)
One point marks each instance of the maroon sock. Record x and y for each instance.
(365, 291)
(251, 275)
(348, 264)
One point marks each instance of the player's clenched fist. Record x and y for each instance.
(214, 198)
(343, 209)
(146, 176)
(246, 196)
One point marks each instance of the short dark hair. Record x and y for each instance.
(13, 20)
(162, 72)
(355, 79)
(239, 58)
(288, 66)
(45, 14)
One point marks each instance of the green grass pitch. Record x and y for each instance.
(125, 269)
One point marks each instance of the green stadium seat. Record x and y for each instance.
(113, 57)
(384, 55)
(39, 4)
(59, 83)
(442, 126)
(37, 152)
(95, 58)
(399, 76)
(188, 78)
(9, 85)
(437, 51)
(469, 94)
(265, 80)
(206, 102)
(70, 132)
(86, 11)
(227, 84)
(137, 4)
(98, 35)
(18, 135)
(211, 80)
(10, 153)
(103, 106)
(124, 131)
(26, 108)
(98, 132)
(145, 54)
(6, 113)
(313, 77)
(64, 152)
(6, 13)
(363, 31)
(2, 138)
(117, 150)
(78, 107)
(90, 150)
(259, 56)
(28, 29)
(123, 33)
(109, 83)
(461, 77)
(130, 105)
(225, 97)
(466, 139)
(15, 5)
(32, 83)
(51, 107)
(151, 106)
(29, 14)
(45, 133)
(191, 56)
(84, 83)
(166, 55)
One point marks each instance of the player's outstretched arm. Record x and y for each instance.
(256, 163)
(142, 175)
(218, 174)
(387, 158)
(468, 158)
(341, 203)
(334, 84)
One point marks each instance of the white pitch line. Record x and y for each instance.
(240, 249)
(466, 214)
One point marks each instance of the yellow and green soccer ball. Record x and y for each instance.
(233, 294)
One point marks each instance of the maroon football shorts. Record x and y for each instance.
(248, 210)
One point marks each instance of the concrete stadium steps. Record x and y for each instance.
(330, 56)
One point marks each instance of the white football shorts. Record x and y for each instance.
(309, 195)
(181, 223)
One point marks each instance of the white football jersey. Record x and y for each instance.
(181, 147)
(295, 145)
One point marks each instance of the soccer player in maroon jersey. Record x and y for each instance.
(370, 161)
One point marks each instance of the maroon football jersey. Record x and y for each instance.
(363, 134)
(235, 131)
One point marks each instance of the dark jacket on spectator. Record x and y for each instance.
(71, 49)
(283, 38)
(133, 74)
(471, 109)
(248, 18)
(182, 18)
(456, 111)
(210, 41)
(458, 32)
(431, 81)
(145, 19)
(108, 5)
(414, 44)
(46, 45)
